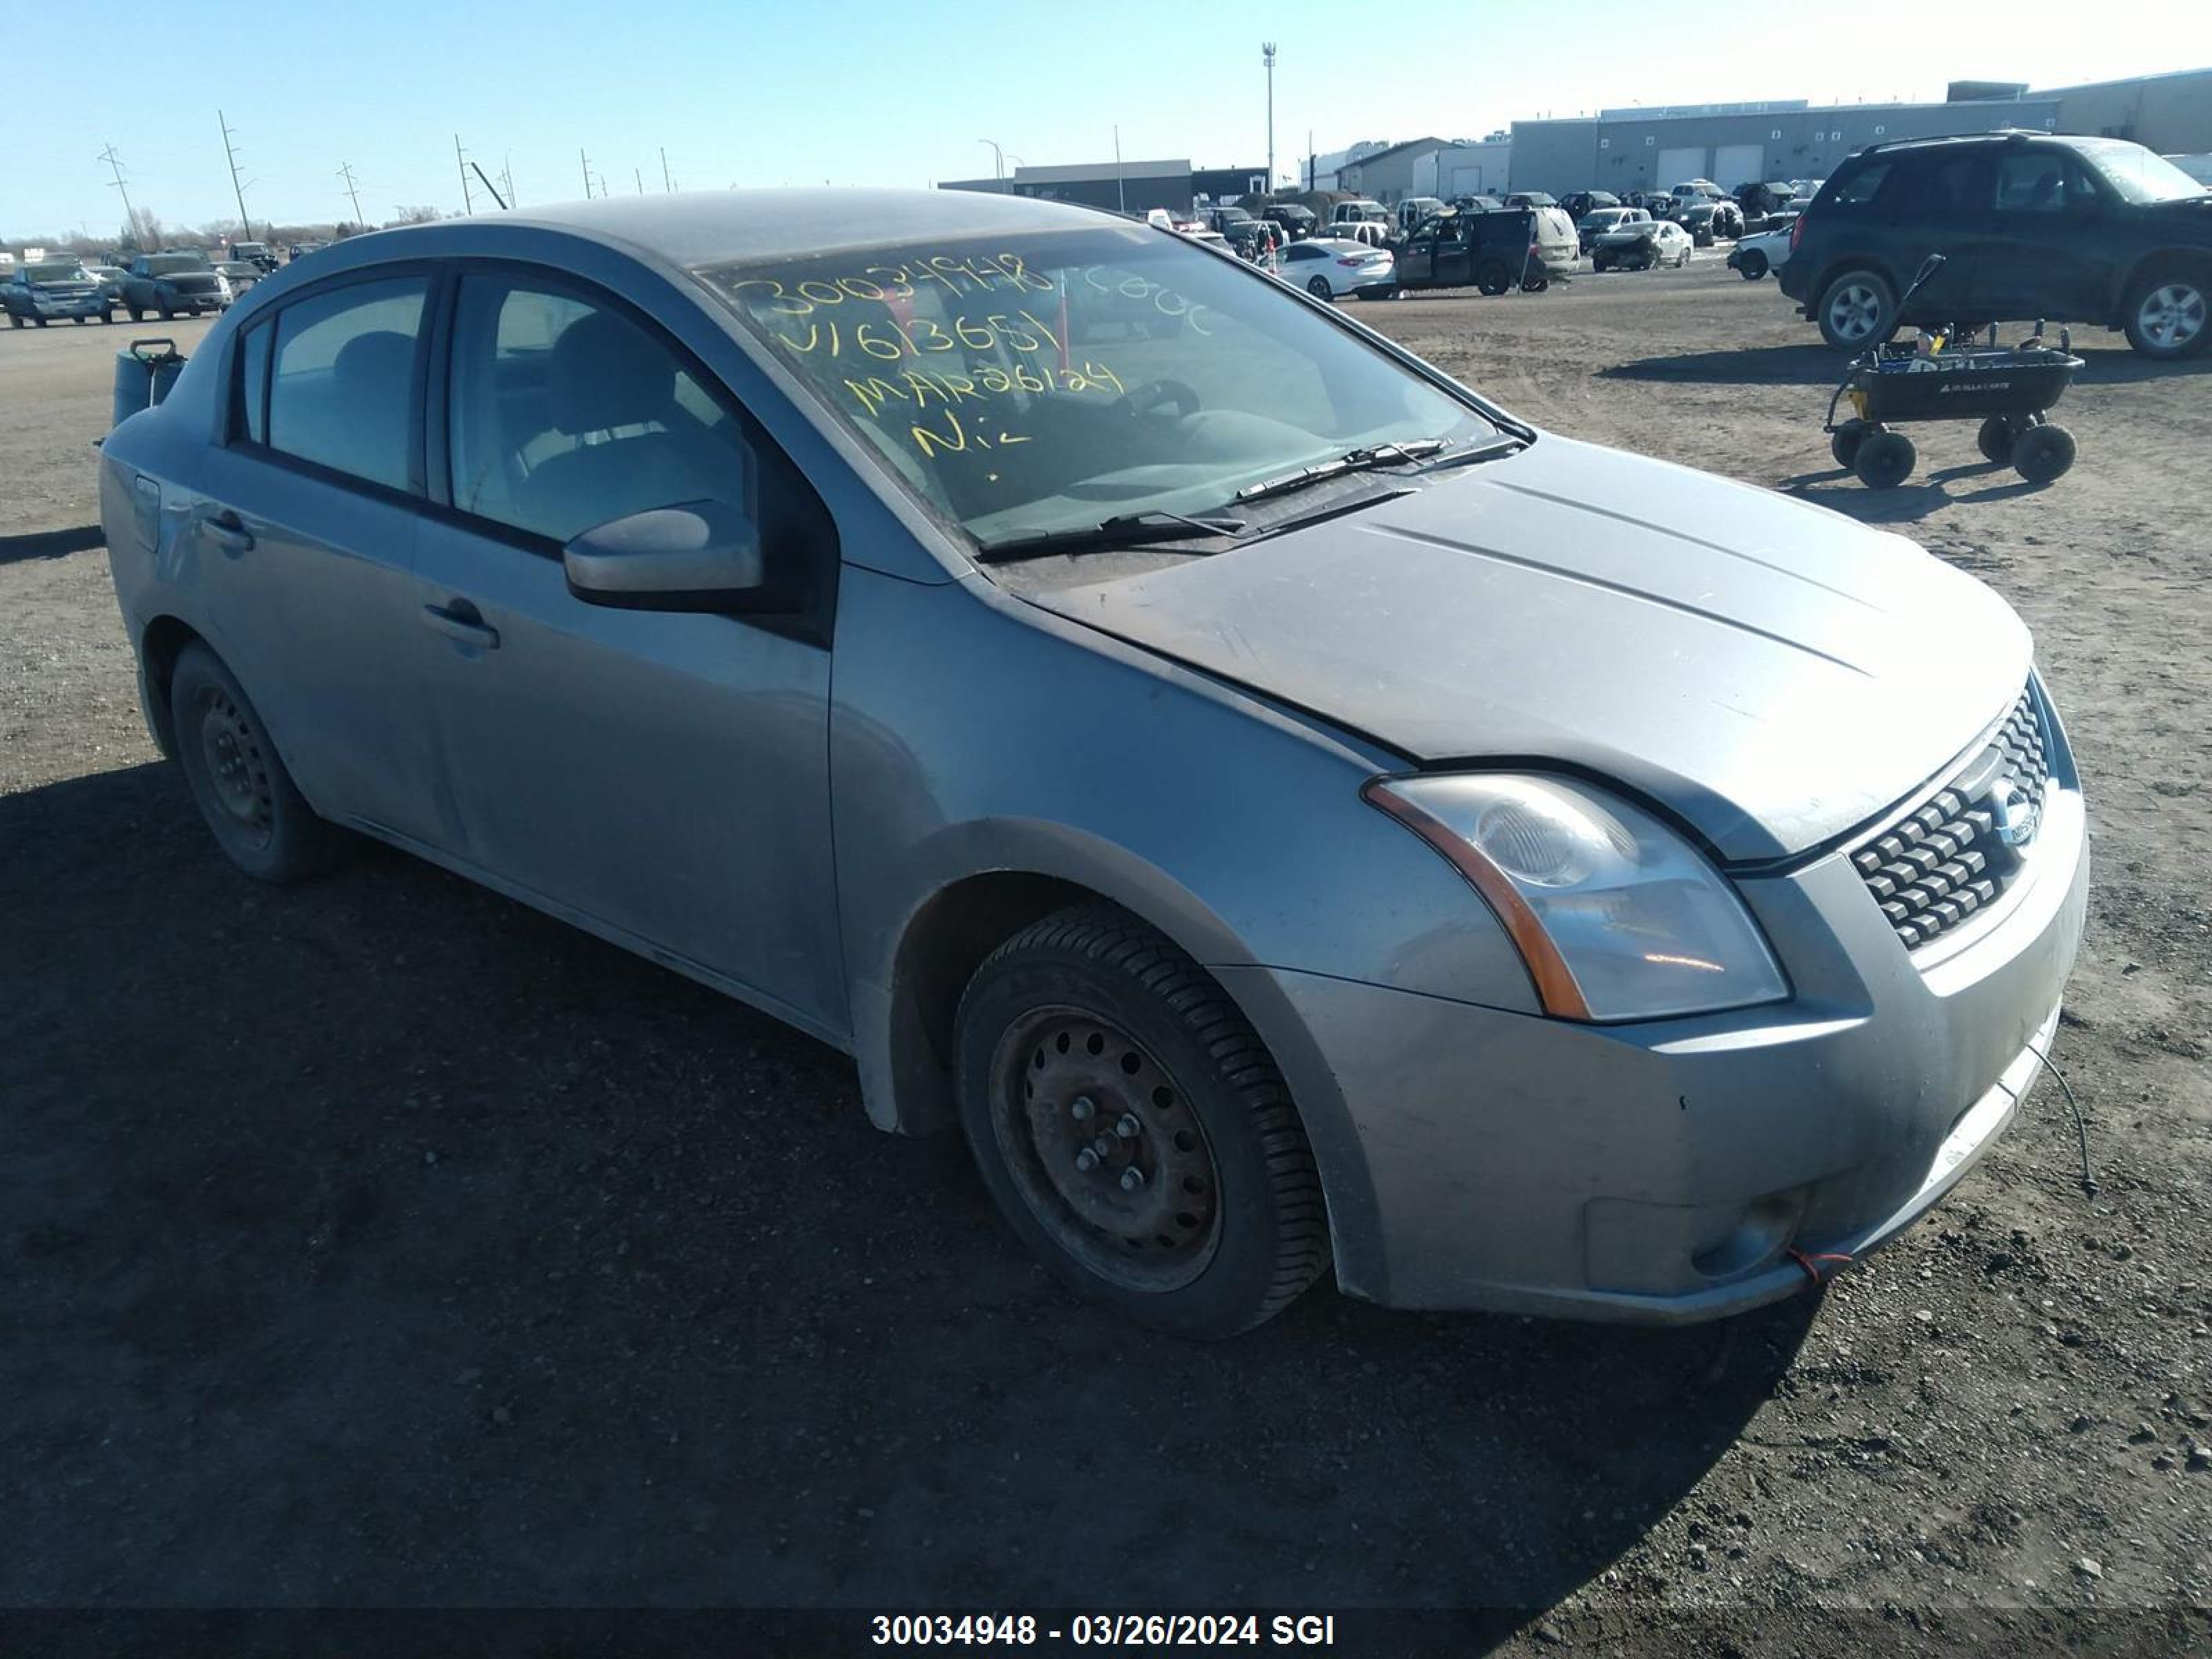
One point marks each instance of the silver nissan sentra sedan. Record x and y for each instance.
(1288, 811)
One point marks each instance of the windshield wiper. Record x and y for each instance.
(1356, 460)
(1123, 530)
(1488, 450)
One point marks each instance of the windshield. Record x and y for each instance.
(168, 264)
(2137, 173)
(1043, 382)
(57, 271)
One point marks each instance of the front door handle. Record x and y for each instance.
(229, 532)
(459, 620)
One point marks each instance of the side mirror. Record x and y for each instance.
(698, 556)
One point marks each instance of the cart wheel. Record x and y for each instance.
(1885, 459)
(1843, 443)
(1995, 439)
(2043, 453)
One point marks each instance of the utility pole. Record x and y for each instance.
(461, 166)
(115, 162)
(667, 184)
(345, 172)
(244, 224)
(585, 162)
(506, 177)
(638, 173)
(1267, 57)
(1121, 197)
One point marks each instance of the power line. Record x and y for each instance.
(345, 172)
(230, 152)
(115, 164)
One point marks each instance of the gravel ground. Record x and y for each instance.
(383, 1242)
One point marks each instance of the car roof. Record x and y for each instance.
(697, 228)
(1996, 136)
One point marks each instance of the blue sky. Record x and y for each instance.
(750, 94)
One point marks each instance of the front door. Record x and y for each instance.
(662, 774)
(2040, 253)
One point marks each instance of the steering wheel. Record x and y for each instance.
(1141, 400)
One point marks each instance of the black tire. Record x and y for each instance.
(1752, 264)
(1091, 1021)
(2168, 315)
(1856, 309)
(1996, 438)
(1843, 443)
(40, 321)
(1491, 278)
(137, 315)
(1535, 285)
(107, 315)
(1885, 459)
(1320, 290)
(15, 320)
(1598, 266)
(167, 315)
(255, 811)
(2043, 453)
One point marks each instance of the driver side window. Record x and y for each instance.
(567, 414)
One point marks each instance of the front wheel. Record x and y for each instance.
(256, 812)
(1320, 290)
(1885, 460)
(1843, 443)
(2043, 453)
(2166, 316)
(1134, 1131)
(1855, 310)
(138, 315)
(1752, 264)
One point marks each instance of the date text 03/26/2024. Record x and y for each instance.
(1105, 1629)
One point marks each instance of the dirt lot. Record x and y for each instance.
(382, 1242)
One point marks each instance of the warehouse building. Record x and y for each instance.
(1426, 167)
(1124, 187)
(1651, 149)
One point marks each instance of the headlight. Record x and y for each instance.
(1616, 916)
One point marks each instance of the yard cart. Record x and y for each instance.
(2010, 390)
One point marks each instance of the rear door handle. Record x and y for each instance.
(229, 532)
(459, 620)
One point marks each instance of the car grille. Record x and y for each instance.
(1937, 866)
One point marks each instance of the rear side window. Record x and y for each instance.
(342, 390)
(1945, 183)
(251, 421)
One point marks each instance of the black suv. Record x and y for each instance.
(2066, 230)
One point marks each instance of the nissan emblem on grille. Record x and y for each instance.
(1962, 847)
(2016, 812)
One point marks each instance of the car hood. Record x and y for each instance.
(1775, 673)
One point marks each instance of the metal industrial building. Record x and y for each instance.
(1126, 187)
(1626, 150)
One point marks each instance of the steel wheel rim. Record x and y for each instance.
(237, 769)
(1854, 311)
(2171, 315)
(1105, 1150)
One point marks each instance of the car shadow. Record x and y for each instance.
(49, 544)
(382, 1210)
(1782, 365)
(1839, 488)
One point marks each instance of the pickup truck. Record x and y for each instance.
(1361, 221)
(172, 283)
(50, 289)
(254, 254)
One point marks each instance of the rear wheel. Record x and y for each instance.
(15, 320)
(1996, 437)
(1490, 276)
(1752, 264)
(2167, 316)
(1843, 443)
(1885, 459)
(136, 314)
(1134, 1131)
(1855, 310)
(2043, 453)
(255, 811)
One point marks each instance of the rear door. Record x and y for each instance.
(305, 538)
(661, 774)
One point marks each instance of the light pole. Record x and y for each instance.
(1267, 57)
(998, 163)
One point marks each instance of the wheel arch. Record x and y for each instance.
(159, 645)
(904, 1011)
(2196, 261)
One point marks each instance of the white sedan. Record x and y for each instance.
(1755, 256)
(1638, 246)
(1329, 268)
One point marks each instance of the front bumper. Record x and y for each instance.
(88, 305)
(1665, 1172)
